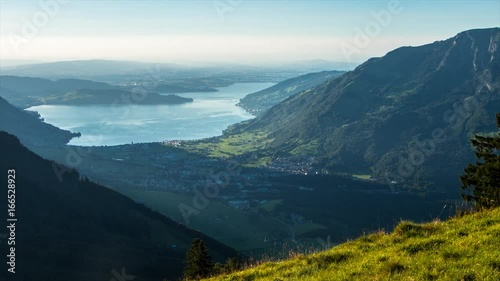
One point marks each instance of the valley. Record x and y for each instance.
(255, 210)
(250, 140)
(248, 187)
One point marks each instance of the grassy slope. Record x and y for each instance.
(465, 248)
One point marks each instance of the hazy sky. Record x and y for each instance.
(240, 31)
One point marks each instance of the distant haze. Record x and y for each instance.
(229, 31)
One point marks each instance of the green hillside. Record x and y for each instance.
(424, 101)
(463, 248)
(260, 101)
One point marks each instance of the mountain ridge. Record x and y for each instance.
(260, 101)
(82, 230)
(367, 118)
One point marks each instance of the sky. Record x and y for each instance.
(230, 31)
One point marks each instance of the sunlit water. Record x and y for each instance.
(207, 116)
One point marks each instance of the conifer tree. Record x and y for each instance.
(198, 261)
(481, 181)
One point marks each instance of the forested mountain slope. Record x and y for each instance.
(69, 228)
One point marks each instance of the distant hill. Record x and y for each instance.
(24, 91)
(87, 69)
(69, 228)
(111, 69)
(406, 117)
(112, 97)
(463, 248)
(172, 88)
(30, 128)
(44, 87)
(29, 91)
(258, 102)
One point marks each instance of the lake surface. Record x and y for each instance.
(207, 116)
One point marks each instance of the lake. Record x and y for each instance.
(207, 116)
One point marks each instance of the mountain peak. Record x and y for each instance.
(371, 118)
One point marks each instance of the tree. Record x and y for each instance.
(481, 181)
(198, 261)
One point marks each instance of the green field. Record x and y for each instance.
(233, 145)
(236, 228)
(271, 204)
(362, 177)
(463, 248)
